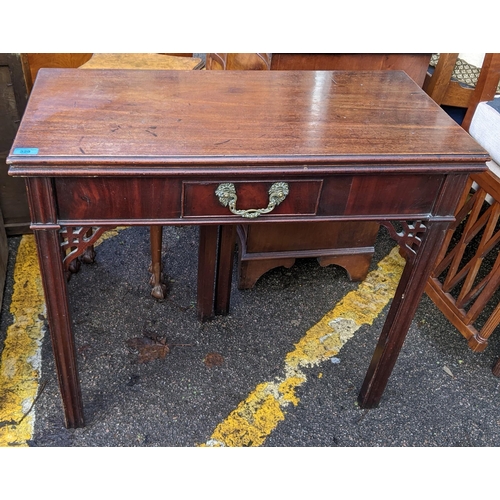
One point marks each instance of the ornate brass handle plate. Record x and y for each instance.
(227, 197)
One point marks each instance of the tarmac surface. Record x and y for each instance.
(440, 393)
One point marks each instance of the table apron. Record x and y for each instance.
(164, 200)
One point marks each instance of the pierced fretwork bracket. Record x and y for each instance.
(76, 240)
(409, 237)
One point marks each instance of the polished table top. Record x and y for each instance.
(108, 119)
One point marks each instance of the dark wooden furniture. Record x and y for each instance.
(4, 255)
(13, 99)
(496, 369)
(414, 65)
(448, 92)
(346, 244)
(347, 146)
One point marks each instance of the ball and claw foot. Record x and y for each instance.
(159, 291)
(88, 256)
(156, 280)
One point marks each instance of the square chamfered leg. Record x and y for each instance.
(207, 262)
(420, 243)
(59, 318)
(53, 272)
(404, 304)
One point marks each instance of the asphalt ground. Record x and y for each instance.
(440, 393)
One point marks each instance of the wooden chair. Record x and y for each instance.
(449, 92)
(467, 274)
(144, 62)
(465, 282)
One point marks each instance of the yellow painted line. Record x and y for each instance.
(20, 362)
(110, 234)
(21, 357)
(259, 414)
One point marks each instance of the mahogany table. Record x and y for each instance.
(102, 148)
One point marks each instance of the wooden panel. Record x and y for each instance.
(13, 96)
(414, 65)
(142, 61)
(200, 199)
(377, 195)
(62, 60)
(304, 236)
(103, 198)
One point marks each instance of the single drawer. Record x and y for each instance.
(200, 198)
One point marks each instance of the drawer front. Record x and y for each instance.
(393, 194)
(200, 198)
(112, 198)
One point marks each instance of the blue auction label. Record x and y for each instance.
(26, 151)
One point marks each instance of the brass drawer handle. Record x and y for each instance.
(227, 197)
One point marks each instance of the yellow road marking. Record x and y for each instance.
(20, 363)
(259, 414)
(21, 357)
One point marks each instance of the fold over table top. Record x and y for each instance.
(105, 118)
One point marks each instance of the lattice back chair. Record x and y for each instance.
(448, 91)
(467, 274)
(465, 283)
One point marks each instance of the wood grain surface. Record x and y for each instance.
(336, 117)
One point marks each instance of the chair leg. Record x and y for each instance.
(159, 290)
(88, 257)
(496, 369)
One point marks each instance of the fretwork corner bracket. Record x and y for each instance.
(78, 241)
(408, 237)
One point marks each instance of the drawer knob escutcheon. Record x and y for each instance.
(227, 197)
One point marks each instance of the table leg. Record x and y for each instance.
(227, 240)
(207, 262)
(59, 318)
(406, 299)
(159, 289)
